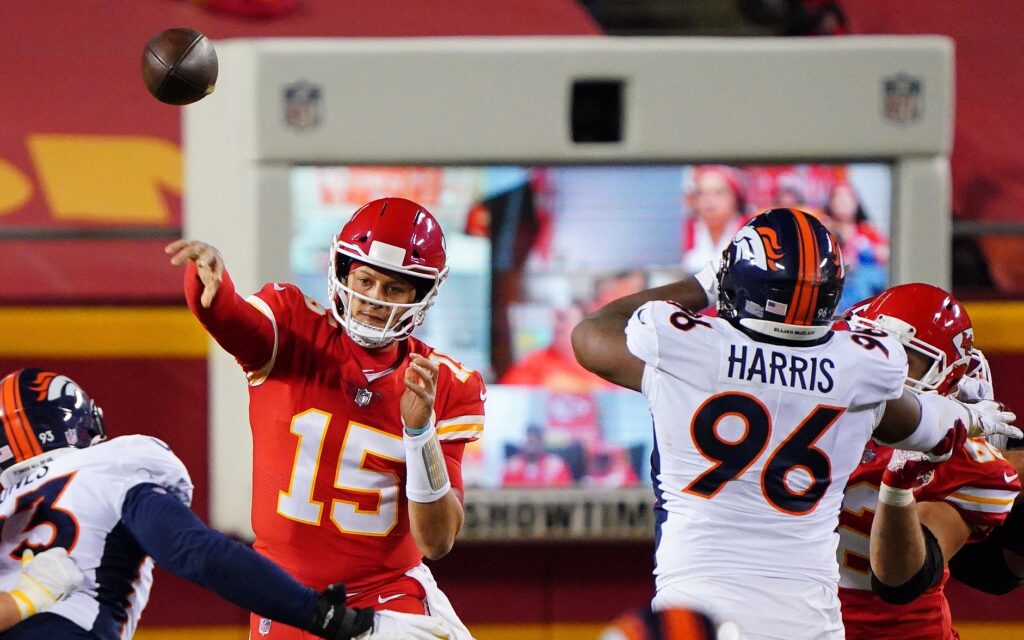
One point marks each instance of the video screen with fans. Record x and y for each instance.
(533, 249)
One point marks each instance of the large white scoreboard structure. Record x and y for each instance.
(579, 101)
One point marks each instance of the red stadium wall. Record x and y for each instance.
(85, 147)
(988, 172)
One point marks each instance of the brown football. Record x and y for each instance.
(179, 66)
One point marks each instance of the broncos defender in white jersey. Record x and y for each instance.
(760, 416)
(117, 505)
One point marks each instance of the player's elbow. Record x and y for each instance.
(435, 544)
(586, 345)
(437, 549)
(890, 576)
(434, 527)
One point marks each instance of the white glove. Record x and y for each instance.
(44, 580)
(708, 279)
(989, 418)
(393, 625)
(974, 390)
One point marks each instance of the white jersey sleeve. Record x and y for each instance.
(146, 460)
(882, 367)
(660, 327)
(642, 334)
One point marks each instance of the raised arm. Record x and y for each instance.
(435, 511)
(235, 324)
(599, 341)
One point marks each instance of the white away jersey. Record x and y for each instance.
(74, 501)
(754, 442)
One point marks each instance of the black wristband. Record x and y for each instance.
(927, 577)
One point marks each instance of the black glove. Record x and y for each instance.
(333, 620)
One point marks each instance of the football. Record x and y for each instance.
(179, 66)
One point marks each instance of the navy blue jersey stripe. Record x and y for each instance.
(115, 581)
(660, 514)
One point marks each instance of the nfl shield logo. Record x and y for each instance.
(901, 98)
(264, 626)
(363, 397)
(302, 104)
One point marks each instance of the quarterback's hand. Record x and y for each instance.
(393, 625)
(420, 384)
(209, 264)
(44, 580)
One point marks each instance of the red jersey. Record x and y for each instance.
(976, 481)
(328, 501)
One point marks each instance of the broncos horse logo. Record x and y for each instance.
(50, 386)
(761, 246)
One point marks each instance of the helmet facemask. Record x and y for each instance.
(402, 317)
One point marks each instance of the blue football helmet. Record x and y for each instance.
(782, 276)
(42, 411)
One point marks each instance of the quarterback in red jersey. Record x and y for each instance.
(358, 428)
(892, 559)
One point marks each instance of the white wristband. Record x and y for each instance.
(426, 475)
(708, 279)
(895, 497)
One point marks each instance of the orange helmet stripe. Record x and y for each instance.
(797, 302)
(815, 272)
(805, 296)
(21, 418)
(8, 411)
(5, 411)
(681, 623)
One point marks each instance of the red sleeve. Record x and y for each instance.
(982, 487)
(460, 411)
(453, 460)
(236, 325)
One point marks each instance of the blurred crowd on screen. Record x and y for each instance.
(579, 247)
(718, 199)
